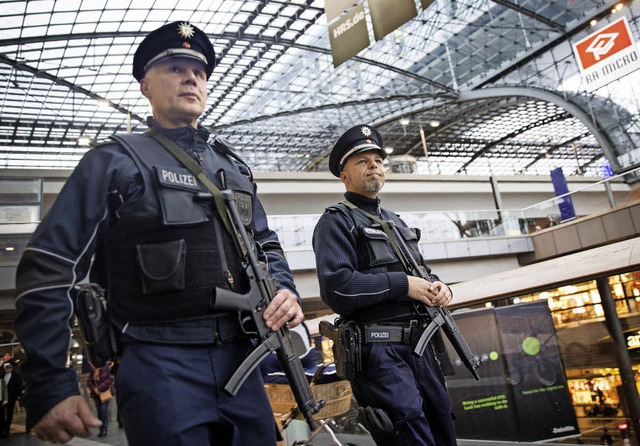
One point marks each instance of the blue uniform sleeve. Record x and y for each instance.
(274, 255)
(342, 287)
(57, 256)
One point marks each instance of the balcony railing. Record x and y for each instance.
(296, 231)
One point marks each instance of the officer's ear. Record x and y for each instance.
(144, 88)
(344, 177)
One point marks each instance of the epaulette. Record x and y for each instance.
(100, 142)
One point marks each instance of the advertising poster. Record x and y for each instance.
(606, 55)
(484, 409)
(541, 397)
(522, 394)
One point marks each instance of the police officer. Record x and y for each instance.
(128, 216)
(363, 280)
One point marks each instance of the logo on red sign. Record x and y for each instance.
(603, 44)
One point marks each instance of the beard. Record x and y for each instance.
(374, 184)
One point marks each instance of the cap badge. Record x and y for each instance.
(186, 45)
(366, 131)
(185, 30)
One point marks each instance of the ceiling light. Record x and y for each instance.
(619, 7)
(103, 104)
(404, 121)
(84, 140)
(388, 149)
(9, 248)
(593, 22)
(434, 123)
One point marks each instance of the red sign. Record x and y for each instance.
(603, 43)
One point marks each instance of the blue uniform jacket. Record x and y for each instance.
(59, 254)
(343, 287)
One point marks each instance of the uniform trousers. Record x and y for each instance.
(174, 395)
(411, 389)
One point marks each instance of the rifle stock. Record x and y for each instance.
(440, 316)
(253, 303)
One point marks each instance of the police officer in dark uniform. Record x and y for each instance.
(129, 216)
(363, 280)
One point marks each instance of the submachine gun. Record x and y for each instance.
(439, 316)
(252, 305)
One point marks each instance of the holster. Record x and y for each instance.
(90, 307)
(347, 342)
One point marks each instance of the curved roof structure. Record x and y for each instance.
(464, 87)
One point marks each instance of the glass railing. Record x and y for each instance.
(296, 231)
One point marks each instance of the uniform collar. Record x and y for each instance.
(371, 205)
(180, 132)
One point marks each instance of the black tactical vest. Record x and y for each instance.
(168, 252)
(376, 255)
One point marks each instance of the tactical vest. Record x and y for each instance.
(376, 255)
(168, 252)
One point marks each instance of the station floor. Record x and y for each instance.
(116, 437)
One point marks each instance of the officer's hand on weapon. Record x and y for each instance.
(283, 309)
(435, 294)
(69, 418)
(440, 294)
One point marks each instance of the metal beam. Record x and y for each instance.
(529, 13)
(548, 96)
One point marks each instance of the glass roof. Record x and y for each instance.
(65, 79)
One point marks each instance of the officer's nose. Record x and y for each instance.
(190, 76)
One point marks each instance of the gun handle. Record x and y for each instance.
(249, 364)
(227, 300)
(427, 334)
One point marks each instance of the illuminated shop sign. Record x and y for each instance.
(633, 340)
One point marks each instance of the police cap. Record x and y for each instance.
(355, 140)
(177, 39)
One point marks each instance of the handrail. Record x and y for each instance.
(461, 223)
(604, 180)
(296, 230)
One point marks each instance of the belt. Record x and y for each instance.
(218, 329)
(375, 333)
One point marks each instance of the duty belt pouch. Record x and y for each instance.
(346, 347)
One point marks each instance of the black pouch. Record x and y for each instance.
(378, 248)
(346, 347)
(162, 266)
(176, 188)
(411, 237)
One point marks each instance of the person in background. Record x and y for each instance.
(99, 382)
(14, 385)
(133, 218)
(364, 280)
(606, 438)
